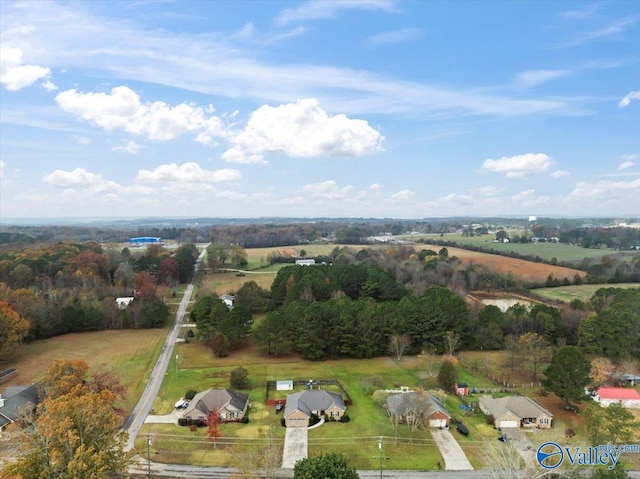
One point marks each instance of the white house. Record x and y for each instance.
(628, 397)
(124, 301)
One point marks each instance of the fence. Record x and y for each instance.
(315, 384)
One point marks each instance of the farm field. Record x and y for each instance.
(546, 251)
(527, 271)
(129, 354)
(582, 292)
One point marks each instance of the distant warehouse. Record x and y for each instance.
(145, 240)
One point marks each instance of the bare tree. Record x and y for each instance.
(397, 345)
(451, 341)
(428, 355)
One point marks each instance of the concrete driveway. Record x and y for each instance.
(295, 446)
(171, 418)
(454, 457)
(519, 440)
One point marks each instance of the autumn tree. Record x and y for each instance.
(168, 272)
(143, 286)
(13, 329)
(74, 433)
(428, 355)
(213, 426)
(451, 340)
(614, 424)
(601, 370)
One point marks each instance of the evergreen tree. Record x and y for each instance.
(568, 374)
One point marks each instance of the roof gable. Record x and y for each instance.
(415, 402)
(216, 399)
(313, 400)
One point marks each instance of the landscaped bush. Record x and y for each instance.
(190, 394)
(345, 418)
(245, 419)
(283, 422)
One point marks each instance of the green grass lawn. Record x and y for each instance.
(582, 292)
(546, 251)
(358, 439)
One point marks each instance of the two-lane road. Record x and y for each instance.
(134, 422)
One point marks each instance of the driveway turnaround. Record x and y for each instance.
(454, 457)
(295, 446)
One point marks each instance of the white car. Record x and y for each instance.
(182, 404)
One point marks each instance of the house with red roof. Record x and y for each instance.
(628, 397)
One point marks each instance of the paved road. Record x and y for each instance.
(454, 457)
(134, 422)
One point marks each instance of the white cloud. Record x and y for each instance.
(626, 164)
(302, 130)
(78, 178)
(14, 75)
(529, 198)
(3, 165)
(519, 166)
(490, 190)
(621, 192)
(320, 9)
(81, 140)
(401, 196)
(374, 186)
(534, 78)
(632, 95)
(327, 190)
(560, 173)
(612, 29)
(187, 173)
(396, 36)
(122, 109)
(130, 147)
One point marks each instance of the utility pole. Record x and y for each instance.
(380, 452)
(149, 455)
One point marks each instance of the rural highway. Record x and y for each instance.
(134, 422)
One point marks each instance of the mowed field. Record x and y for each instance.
(129, 354)
(582, 292)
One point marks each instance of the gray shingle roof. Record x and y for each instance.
(17, 399)
(415, 402)
(521, 406)
(313, 400)
(216, 399)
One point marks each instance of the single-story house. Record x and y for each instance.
(628, 397)
(305, 262)
(230, 405)
(124, 301)
(627, 379)
(407, 407)
(228, 300)
(516, 411)
(17, 400)
(301, 406)
(462, 389)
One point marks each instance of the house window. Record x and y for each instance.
(335, 413)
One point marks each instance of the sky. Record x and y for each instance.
(340, 108)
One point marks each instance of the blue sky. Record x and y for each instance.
(356, 108)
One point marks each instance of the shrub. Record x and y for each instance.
(245, 419)
(190, 394)
(345, 418)
(282, 422)
(239, 378)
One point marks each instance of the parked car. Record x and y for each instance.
(503, 438)
(462, 429)
(279, 406)
(182, 404)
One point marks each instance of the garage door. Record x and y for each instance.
(508, 424)
(437, 423)
(296, 422)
